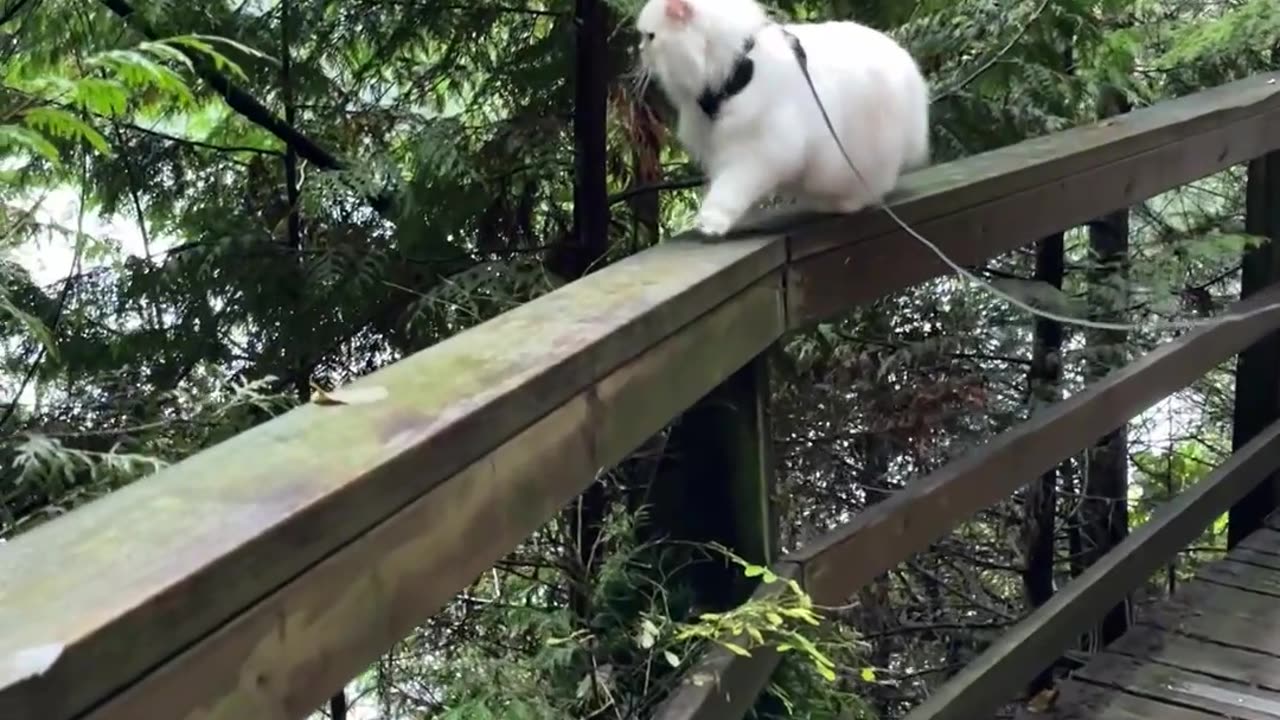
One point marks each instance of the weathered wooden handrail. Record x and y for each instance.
(256, 577)
(298, 551)
(1245, 125)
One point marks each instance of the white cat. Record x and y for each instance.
(749, 119)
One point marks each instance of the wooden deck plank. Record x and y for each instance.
(1266, 540)
(1206, 600)
(1253, 625)
(1051, 629)
(1181, 687)
(1250, 556)
(1212, 650)
(1261, 580)
(1080, 701)
(1150, 643)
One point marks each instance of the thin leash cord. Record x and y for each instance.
(965, 273)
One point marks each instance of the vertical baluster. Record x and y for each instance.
(1257, 402)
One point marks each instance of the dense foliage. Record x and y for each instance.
(208, 208)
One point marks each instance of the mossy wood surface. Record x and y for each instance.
(285, 655)
(93, 600)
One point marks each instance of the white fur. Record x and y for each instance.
(770, 138)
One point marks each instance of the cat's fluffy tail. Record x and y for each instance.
(917, 150)
(916, 153)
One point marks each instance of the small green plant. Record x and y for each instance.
(775, 619)
(787, 620)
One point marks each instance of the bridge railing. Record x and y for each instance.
(256, 577)
(836, 566)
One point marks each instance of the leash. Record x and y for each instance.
(803, 61)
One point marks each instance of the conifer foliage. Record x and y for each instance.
(210, 207)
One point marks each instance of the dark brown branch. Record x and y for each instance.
(199, 143)
(629, 193)
(507, 9)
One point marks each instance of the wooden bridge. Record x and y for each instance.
(255, 578)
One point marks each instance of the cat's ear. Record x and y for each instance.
(680, 11)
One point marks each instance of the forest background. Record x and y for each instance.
(210, 207)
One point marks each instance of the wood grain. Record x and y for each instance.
(1198, 599)
(1264, 541)
(1242, 576)
(148, 570)
(1078, 701)
(1026, 649)
(1214, 695)
(1201, 655)
(281, 658)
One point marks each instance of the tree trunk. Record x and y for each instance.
(1105, 510)
(1257, 396)
(589, 240)
(1041, 497)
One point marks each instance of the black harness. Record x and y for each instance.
(744, 68)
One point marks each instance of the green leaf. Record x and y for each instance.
(63, 124)
(11, 135)
(101, 96)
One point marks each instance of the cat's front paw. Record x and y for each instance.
(712, 223)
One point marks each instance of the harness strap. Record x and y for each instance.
(744, 69)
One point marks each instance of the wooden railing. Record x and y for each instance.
(255, 578)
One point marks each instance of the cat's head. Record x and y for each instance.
(690, 44)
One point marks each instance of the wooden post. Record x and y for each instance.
(715, 484)
(1258, 371)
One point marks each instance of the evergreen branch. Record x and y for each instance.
(199, 143)
(252, 109)
(63, 296)
(991, 61)
(12, 11)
